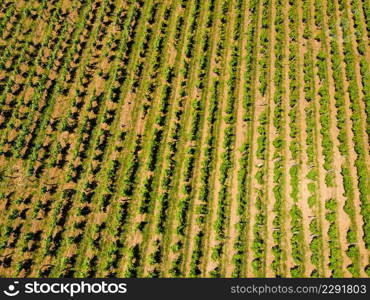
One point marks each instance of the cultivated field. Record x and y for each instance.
(184, 138)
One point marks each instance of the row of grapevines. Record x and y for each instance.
(316, 244)
(241, 242)
(298, 247)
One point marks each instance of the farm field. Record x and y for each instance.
(184, 138)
